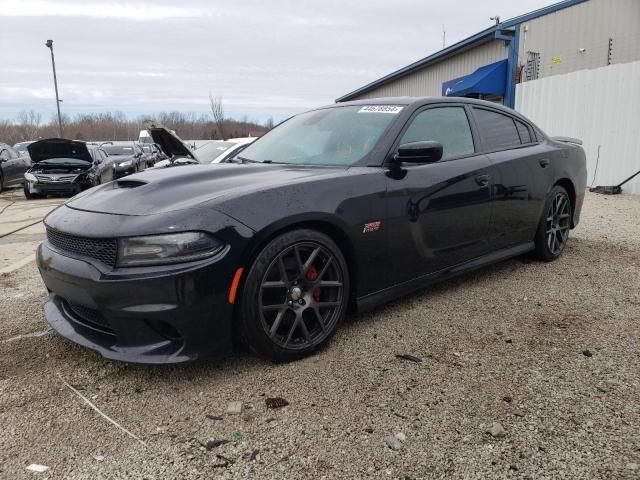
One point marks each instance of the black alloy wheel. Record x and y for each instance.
(295, 295)
(553, 230)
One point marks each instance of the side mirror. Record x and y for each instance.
(419, 152)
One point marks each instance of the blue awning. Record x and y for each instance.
(488, 80)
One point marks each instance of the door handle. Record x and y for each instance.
(482, 180)
(544, 163)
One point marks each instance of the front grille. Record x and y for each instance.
(56, 179)
(102, 249)
(89, 317)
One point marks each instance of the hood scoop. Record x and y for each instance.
(130, 183)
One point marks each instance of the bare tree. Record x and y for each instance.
(217, 110)
(269, 124)
(29, 124)
(116, 126)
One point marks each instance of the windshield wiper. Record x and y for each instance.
(245, 160)
(248, 160)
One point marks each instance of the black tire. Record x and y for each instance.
(294, 296)
(554, 226)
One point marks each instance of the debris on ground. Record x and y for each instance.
(213, 443)
(234, 408)
(225, 461)
(587, 353)
(276, 402)
(98, 458)
(395, 442)
(254, 455)
(497, 430)
(34, 467)
(411, 358)
(102, 414)
(214, 417)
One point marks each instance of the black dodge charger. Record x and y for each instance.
(339, 208)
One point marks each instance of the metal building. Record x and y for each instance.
(573, 68)
(561, 38)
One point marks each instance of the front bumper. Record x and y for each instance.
(147, 315)
(119, 172)
(40, 188)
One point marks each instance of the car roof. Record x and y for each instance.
(419, 101)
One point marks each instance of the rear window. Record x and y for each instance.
(523, 131)
(498, 131)
(119, 150)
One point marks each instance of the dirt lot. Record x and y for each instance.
(550, 351)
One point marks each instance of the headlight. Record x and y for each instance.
(30, 177)
(125, 164)
(166, 249)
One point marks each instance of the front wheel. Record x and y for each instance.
(294, 297)
(553, 229)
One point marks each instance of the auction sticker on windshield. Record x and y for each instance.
(394, 109)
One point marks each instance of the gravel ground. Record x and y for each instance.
(549, 351)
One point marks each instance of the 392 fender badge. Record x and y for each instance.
(371, 227)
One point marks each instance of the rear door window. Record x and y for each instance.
(446, 125)
(523, 131)
(498, 131)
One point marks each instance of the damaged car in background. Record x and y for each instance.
(126, 158)
(65, 167)
(176, 152)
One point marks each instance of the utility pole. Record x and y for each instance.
(444, 36)
(49, 45)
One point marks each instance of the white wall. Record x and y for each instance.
(601, 107)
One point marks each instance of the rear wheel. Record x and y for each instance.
(294, 297)
(553, 229)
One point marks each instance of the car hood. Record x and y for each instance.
(58, 148)
(165, 190)
(170, 144)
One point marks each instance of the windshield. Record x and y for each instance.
(21, 147)
(332, 136)
(118, 150)
(212, 150)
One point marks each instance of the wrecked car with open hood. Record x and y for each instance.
(61, 166)
(176, 151)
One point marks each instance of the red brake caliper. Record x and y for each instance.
(311, 276)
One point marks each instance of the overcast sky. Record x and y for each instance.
(264, 58)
